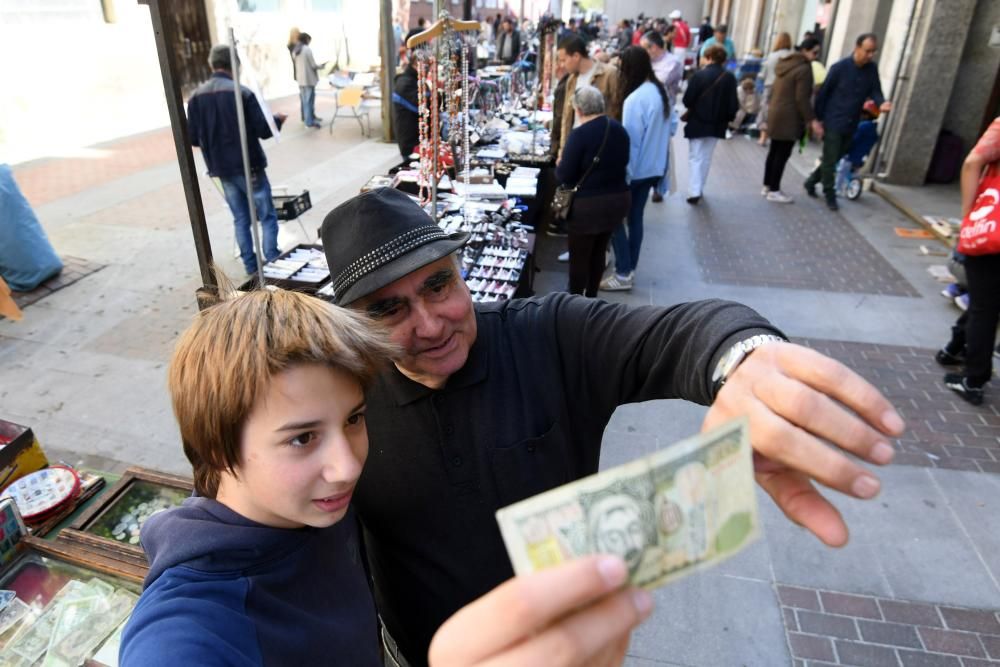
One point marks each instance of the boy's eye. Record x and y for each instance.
(303, 439)
(355, 419)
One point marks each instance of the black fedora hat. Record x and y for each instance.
(377, 238)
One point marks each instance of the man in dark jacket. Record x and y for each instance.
(405, 111)
(508, 42)
(488, 404)
(711, 102)
(848, 84)
(212, 125)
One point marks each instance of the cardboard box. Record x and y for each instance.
(22, 455)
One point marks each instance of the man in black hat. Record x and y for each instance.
(493, 403)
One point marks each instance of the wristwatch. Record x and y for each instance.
(735, 355)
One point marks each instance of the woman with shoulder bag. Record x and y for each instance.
(979, 241)
(646, 117)
(789, 114)
(711, 104)
(593, 164)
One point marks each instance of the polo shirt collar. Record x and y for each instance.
(405, 391)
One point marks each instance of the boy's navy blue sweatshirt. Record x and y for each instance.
(224, 590)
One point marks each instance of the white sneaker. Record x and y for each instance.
(779, 197)
(765, 191)
(616, 283)
(564, 256)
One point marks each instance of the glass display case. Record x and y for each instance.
(111, 525)
(59, 611)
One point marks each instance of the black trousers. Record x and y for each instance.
(586, 262)
(774, 166)
(983, 274)
(835, 146)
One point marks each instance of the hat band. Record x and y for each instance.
(385, 253)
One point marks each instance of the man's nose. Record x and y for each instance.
(427, 324)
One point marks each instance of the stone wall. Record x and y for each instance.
(976, 75)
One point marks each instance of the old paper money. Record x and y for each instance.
(685, 507)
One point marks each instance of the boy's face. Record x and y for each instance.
(302, 451)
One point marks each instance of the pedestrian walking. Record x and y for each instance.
(670, 72)
(720, 38)
(508, 43)
(212, 126)
(682, 35)
(646, 117)
(782, 48)
(789, 114)
(594, 162)
(306, 73)
(705, 30)
(973, 342)
(711, 103)
(293, 42)
(848, 84)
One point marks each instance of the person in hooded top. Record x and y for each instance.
(263, 565)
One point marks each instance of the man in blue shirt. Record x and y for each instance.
(212, 125)
(849, 83)
(721, 38)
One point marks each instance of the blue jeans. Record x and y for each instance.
(627, 245)
(235, 189)
(307, 97)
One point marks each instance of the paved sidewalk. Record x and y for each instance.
(919, 583)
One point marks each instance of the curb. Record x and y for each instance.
(909, 212)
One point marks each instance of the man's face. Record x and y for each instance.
(570, 63)
(430, 317)
(811, 54)
(865, 53)
(508, 26)
(619, 529)
(301, 451)
(720, 37)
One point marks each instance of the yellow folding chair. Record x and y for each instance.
(349, 100)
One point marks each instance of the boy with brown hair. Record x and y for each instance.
(262, 566)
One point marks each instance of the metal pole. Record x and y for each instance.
(244, 147)
(169, 72)
(388, 67)
(436, 129)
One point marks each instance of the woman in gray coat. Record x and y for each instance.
(789, 113)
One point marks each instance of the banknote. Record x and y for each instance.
(74, 647)
(683, 508)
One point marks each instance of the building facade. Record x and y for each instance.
(938, 61)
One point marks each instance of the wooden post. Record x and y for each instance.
(163, 31)
(388, 48)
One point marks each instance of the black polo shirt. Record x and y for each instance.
(526, 413)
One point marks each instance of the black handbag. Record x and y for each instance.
(562, 200)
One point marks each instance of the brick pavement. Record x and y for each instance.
(943, 431)
(74, 269)
(830, 628)
(801, 246)
(46, 180)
